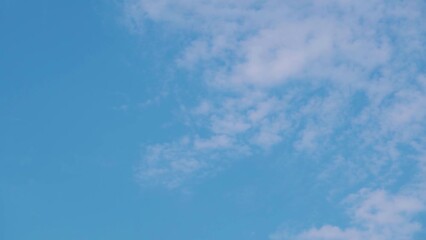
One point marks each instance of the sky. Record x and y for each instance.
(213, 120)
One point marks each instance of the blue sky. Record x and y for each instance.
(160, 119)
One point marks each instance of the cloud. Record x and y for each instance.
(375, 215)
(188, 158)
(320, 54)
(269, 42)
(337, 80)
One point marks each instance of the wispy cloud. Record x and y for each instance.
(376, 215)
(339, 78)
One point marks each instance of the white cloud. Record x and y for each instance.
(272, 41)
(375, 215)
(290, 73)
(168, 164)
(172, 164)
(293, 68)
(215, 142)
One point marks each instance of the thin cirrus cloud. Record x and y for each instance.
(344, 79)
